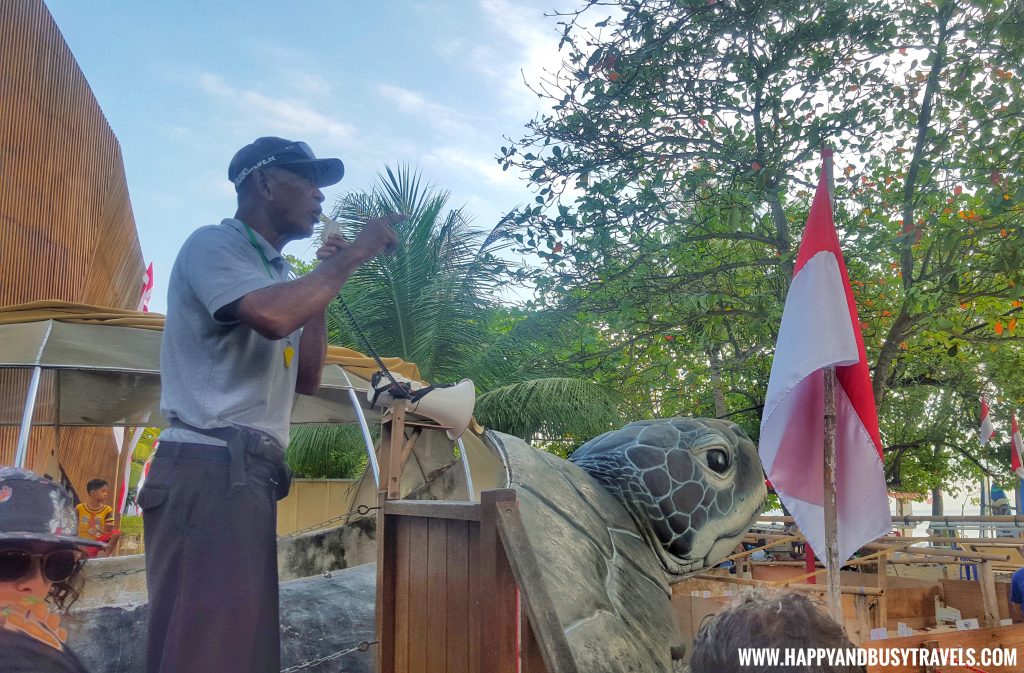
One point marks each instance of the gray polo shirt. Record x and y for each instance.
(214, 373)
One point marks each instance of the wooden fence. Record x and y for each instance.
(458, 591)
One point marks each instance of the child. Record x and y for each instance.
(96, 518)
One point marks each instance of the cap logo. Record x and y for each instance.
(245, 172)
(5, 494)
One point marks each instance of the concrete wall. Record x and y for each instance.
(313, 501)
(121, 580)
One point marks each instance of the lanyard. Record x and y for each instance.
(259, 249)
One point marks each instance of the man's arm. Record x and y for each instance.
(312, 353)
(278, 310)
(1017, 613)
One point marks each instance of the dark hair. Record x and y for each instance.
(95, 485)
(767, 620)
(64, 594)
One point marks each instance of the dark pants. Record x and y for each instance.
(211, 564)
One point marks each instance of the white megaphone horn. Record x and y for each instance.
(451, 406)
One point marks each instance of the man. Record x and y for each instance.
(240, 340)
(1017, 596)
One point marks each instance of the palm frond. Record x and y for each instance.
(326, 451)
(551, 408)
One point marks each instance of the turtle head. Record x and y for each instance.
(692, 485)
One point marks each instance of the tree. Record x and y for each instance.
(672, 181)
(436, 302)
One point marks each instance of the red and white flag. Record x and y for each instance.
(985, 431)
(820, 329)
(147, 289)
(1016, 450)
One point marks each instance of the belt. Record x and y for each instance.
(241, 441)
(214, 454)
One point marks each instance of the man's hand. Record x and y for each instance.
(376, 236)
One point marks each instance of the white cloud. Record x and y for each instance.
(441, 116)
(290, 116)
(306, 84)
(536, 36)
(471, 164)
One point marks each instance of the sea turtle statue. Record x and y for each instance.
(630, 512)
(692, 485)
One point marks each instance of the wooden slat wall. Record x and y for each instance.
(447, 597)
(432, 610)
(66, 226)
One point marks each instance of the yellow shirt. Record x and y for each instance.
(94, 523)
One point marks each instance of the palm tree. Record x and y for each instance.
(436, 302)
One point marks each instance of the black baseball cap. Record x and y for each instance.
(36, 509)
(293, 155)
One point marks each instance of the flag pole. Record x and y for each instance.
(831, 504)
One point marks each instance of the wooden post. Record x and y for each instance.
(393, 441)
(883, 583)
(860, 604)
(987, 582)
(831, 509)
(387, 565)
(499, 609)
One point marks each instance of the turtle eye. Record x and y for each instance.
(717, 460)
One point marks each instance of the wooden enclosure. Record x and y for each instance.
(66, 226)
(458, 591)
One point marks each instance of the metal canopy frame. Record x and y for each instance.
(109, 376)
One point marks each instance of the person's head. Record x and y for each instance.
(280, 180)
(767, 620)
(98, 490)
(40, 553)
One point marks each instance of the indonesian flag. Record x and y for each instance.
(126, 476)
(820, 329)
(1016, 450)
(986, 431)
(147, 289)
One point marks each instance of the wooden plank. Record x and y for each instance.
(536, 601)
(498, 611)
(441, 509)
(906, 603)
(1000, 637)
(965, 596)
(389, 564)
(437, 595)
(458, 615)
(932, 551)
(818, 588)
(410, 443)
(419, 615)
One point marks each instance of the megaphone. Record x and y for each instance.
(450, 406)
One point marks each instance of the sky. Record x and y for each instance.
(433, 85)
